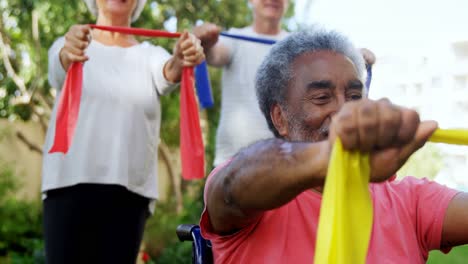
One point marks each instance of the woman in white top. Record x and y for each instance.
(98, 195)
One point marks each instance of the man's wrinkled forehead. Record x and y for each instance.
(325, 68)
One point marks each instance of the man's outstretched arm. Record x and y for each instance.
(263, 176)
(455, 228)
(217, 54)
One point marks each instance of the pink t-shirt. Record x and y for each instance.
(408, 219)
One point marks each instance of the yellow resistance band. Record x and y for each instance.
(345, 222)
(450, 136)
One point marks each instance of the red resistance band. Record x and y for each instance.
(191, 145)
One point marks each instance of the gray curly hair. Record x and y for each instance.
(136, 13)
(275, 73)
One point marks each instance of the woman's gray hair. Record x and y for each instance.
(136, 13)
(275, 73)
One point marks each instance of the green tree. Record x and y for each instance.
(21, 224)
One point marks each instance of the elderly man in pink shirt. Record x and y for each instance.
(263, 205)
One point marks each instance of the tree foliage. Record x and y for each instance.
(21, 224)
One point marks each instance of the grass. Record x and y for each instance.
(458, 255)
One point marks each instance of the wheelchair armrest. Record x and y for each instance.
(184, 232)
(201, 248)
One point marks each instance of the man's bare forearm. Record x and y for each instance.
(264, 176)
(218, 55)
(273, 172)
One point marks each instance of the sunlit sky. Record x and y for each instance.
(391, 26)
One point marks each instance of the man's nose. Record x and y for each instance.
(340, 100)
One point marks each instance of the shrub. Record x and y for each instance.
(20, 223)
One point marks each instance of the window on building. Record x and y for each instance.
(462, 106)
(402, 89)
(460, 82)
(436, 82)
(418, 88)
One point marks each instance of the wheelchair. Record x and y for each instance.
(201, 248)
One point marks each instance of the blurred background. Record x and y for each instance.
(422, 62)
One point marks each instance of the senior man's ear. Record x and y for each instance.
(279, 119)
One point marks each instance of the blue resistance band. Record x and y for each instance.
(251, 39)
(369, 76)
